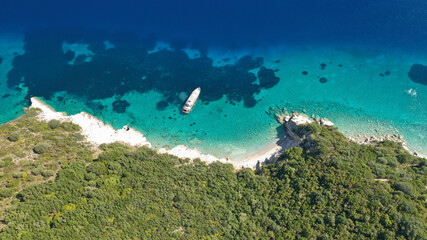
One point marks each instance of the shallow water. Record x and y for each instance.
(367, 91)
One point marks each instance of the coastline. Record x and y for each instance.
(97, 132)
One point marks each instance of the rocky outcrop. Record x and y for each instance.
(291, 124)
(326, 122)
(371, 140)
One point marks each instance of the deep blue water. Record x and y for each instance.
(233, 23)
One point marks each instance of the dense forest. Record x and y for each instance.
(328, 188)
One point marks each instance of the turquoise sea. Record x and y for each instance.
(362, 64)
(363, 89)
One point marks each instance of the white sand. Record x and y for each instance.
(95, 130)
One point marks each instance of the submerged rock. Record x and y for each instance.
(266, 77)
(119, 106)
(248, 63)
(322, 66)
(323, 80)
(162, 105)
(418, 73)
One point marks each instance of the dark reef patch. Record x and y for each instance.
(418, 73)
(162, 105)
(322, 66)
(323, 80)
(119, 106)
(97, 106)
(130, 66)
(248, 63)
(386, 73)
(304, 72)
(266, 77)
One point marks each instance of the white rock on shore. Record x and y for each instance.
(326, 122)
(299, 119)
(95, 130)
(183, 151)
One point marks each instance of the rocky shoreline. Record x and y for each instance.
(283, 117)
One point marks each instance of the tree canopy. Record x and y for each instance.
(329, 188)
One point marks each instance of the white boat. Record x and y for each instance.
(189, 104)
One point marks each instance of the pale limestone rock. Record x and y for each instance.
(326, 122)
(95, 130)
(299, 119)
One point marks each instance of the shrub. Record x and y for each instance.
(37, 171)
(17, 174)
(404, 157)
(13, 137)
(7, 161)
(382, 160)
(408, 207)
(70, 127)
(54, 123)
(41, 148)
(311, 128)
(48, 173)
(404, 187)
(393, 163)
(19, 154)
(6, 192)
(78, 137)
(12, 183)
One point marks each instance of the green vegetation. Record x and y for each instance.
(54, 123)
(13, 137)
(54, 147)
(40, 148)
(329, 188)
